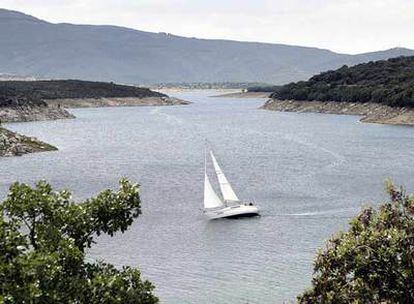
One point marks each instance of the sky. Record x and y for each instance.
(344, 26)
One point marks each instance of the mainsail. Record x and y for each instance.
(211, 200)
(225, 187)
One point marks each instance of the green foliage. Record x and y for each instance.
(43, 237)
(263, 88)
(389, 82)
(373, 262)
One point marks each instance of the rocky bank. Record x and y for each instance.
(32, 113)
(13, 144)
(22, 101)
(370, 112)
(245, 95)
(115, 102)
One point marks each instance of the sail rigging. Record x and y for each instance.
(225, 187)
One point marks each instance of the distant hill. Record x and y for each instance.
(33, 93)
(389, 82)
(34, 47)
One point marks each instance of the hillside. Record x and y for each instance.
(380, 92)
(44, 100)
(35, 92)
(389, 82)
(108, 53)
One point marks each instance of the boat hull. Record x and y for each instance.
(236, 211)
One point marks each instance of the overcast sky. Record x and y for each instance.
(346, 26)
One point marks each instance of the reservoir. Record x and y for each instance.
(309, 173)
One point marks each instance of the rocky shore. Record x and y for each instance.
(22, 101)
(13, 144)
(115, 102)
(370, 112)
(32, 113)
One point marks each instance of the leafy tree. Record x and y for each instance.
(373, 262)
(43, 238)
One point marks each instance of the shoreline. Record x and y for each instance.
(69, 103)
(32, 113)
(14, 144)
(370, 112)
(244, 95)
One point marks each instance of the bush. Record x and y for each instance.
(373, 262)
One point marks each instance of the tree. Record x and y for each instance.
(373, 262)
(43, 237)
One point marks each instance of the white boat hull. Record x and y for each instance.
(232, 212)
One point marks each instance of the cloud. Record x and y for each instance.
(348, 26)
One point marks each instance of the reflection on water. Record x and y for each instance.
(308, 172)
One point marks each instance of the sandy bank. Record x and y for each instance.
(371, 112)
(115, 102)
(245, 95)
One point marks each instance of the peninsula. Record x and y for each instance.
(48, 99)
(381, 91)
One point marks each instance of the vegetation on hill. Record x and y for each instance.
(15, 93)
(389, 82)
(43, 239)
(263, 88)
(10, 97)
(373, 262)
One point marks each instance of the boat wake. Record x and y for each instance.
(337, 158)
(343, 213)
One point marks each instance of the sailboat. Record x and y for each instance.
(229, 206)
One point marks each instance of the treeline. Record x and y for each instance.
(263, 88)
(10, 97)
(16, 93)
(389, 82)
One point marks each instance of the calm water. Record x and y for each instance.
(308, 172)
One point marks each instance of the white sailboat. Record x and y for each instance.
(228, 207)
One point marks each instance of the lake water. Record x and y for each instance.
(309, 173)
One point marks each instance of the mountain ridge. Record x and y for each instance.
(120, 54)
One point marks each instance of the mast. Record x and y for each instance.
(225, 187)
